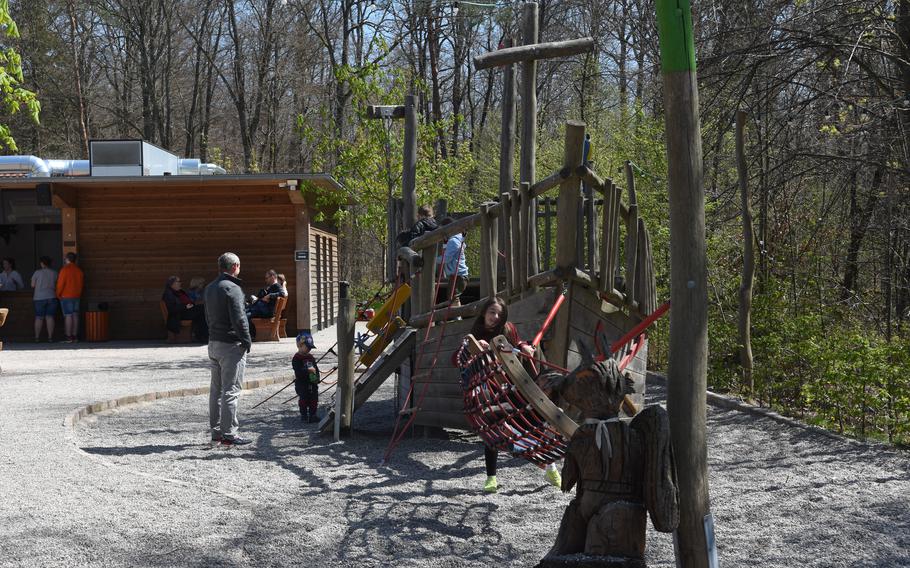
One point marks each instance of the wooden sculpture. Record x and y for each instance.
(620, 470)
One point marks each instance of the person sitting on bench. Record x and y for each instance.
(181, 307)
(263, 303)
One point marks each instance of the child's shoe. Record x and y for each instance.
(491, 486)
(552, 476)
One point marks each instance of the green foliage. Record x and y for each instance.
(835, 373)
(12, 95)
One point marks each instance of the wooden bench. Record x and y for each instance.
(185, 335)
(272, 329)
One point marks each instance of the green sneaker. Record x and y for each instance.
(553, 478)
(490, 486)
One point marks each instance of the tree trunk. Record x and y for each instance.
(745, 287)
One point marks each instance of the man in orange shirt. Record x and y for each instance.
(69, 289)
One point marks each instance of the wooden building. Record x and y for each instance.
(131, 233)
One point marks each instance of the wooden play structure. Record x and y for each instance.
(602, 281)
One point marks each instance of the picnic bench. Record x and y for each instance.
(272, 329)
(185, 335)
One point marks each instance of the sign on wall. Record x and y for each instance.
(301, 255)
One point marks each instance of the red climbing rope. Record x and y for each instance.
(396, 434)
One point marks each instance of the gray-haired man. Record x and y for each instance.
(229, 342)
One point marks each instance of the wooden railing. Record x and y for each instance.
(517, 209)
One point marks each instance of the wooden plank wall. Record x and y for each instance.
(325, 274)
(131, 239)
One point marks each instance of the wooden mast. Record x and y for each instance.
(687, 369)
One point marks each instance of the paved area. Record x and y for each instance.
(140, 485)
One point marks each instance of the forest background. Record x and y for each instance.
(282, 86)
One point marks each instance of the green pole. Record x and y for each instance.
(687, 369)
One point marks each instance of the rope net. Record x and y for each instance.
(501, 416)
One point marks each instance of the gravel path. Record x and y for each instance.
(140, 485)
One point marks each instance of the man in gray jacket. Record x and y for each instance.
(229, 342)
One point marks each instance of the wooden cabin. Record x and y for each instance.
(131, 233)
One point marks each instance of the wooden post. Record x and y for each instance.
(745, 287)
(441, 209)
(489, 251)
(548, 227)
(506, 199)
(391, 270)
(590, 217)
(519, 261)
(344, 400)
(527, 222)
(687, 369)
(631, 248)
(567, 254)
(528, 165)
(409, 163)
(610, 249)
(427, 283)
(507, 135)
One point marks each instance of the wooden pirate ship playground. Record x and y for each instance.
(595, 302)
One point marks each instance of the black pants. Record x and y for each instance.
(489, 458)
(308, 394)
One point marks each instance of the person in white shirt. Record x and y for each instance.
(44, 281)
(10, 279)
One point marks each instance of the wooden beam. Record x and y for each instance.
(567, 204)
(345, 397)
(442, 233)
(528, 163)
(409, 163)
(591, 177)
(489, 251)
(546, 278)
(550, 182)
(427, 284)
(465, 311)
(536, 51)
(610, 247)
(527, 244)
(505, 201)
(519, 243)
(631, 248)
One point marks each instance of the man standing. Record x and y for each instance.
(69, 289)
(229, 342)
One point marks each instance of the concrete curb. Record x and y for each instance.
(77, 415)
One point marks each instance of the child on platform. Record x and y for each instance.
(306, 378)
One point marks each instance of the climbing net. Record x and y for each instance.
(501, 415)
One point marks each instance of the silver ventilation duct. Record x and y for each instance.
(33, 166)
(68, 168)
(193, 167)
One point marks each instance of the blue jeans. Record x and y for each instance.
(45, 308)
(228, 362)
(70, 306)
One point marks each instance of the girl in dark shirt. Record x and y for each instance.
(494, 321)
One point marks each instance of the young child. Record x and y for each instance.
(306, 378)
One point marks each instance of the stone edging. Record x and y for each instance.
(77, 415)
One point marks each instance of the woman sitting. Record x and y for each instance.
(181, 307)
(197, 289)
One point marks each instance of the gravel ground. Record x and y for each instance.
(140, 485)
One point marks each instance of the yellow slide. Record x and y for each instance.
(385, 313)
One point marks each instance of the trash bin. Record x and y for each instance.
(96, 326)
